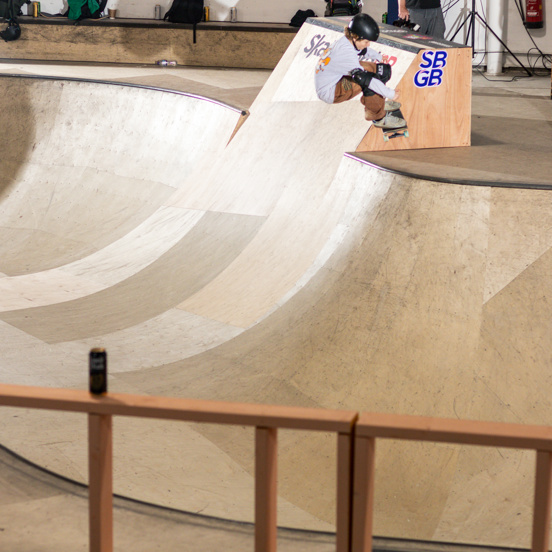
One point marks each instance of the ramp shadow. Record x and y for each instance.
(18, 129)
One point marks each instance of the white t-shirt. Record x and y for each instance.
(339, 60)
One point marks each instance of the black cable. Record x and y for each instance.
(519, 6)
(450, 5)
(542, 54)
(513, 79)
(546, 58)
(482, 10)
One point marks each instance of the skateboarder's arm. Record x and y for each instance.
(379, 88)
(403, 12)
(372, 55)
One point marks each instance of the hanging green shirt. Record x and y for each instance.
(75, 8)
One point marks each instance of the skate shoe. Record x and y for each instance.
(391, 105)
(390, 122)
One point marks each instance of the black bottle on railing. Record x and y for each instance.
(98, 371)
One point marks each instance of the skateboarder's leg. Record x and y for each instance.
(346, 89)
(374, 107)
(374, 104)
(374, 110)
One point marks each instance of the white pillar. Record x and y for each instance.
(496, 16)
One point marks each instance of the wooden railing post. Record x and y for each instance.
(344, 491)
(100, 481)
(541, 508)
(363, 494)
(266, 488)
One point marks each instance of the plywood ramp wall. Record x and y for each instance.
(437, 116)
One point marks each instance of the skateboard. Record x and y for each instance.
(394, 132)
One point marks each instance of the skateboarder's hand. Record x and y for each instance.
(397, 94)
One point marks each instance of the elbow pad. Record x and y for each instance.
(383, 72)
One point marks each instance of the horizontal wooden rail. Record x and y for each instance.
(190, 410)
(469, 432)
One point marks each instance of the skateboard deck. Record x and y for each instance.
(395, 132)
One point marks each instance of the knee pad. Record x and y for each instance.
(363, 79)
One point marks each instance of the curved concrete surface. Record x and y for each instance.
(273, 269)
(31, 495)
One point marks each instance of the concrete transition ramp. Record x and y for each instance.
(273, 269)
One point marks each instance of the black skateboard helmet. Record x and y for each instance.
(364, 27)
(12, 31)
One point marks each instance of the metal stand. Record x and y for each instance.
(470, 21)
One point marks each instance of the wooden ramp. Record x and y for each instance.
(435, 93)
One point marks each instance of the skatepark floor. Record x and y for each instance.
(41, 511)
(511, 137)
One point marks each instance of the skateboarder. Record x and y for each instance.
(343, 72)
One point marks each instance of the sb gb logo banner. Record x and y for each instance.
(431, 69)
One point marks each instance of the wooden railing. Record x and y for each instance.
(356, 445)
(372, 426)
(266, 420)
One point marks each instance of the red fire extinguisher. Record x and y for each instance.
(534, 17)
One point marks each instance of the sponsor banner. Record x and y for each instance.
(432, 69)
